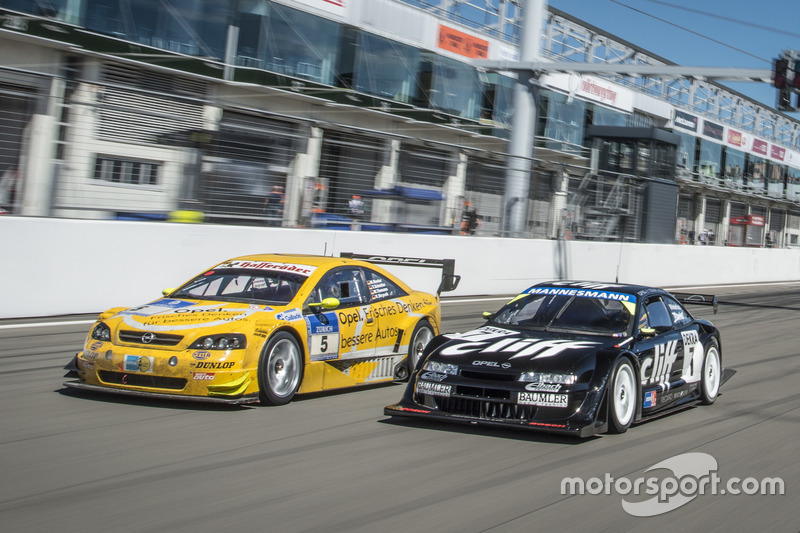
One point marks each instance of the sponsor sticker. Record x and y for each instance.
(584, 293)
(290, 316)
(304, 270)
(542, 399)
(203, 376)
(136, 363)
(649, 399)
(434, 389)
(434, 376)
(213, 365)
(543, 387)
(201, 355)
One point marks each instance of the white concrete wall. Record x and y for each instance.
(64, 266)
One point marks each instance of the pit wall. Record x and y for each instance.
(63, 266)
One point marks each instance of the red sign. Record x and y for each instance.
(749, 220)
(759, 146)
(776, 152)
(735, 137)
(462, 43)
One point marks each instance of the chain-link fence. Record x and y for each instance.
(154, 147)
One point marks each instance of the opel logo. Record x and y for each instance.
(148, 337)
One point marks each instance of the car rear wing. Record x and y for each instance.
(450, 279)
(697, 299)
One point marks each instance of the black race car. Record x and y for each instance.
(571, 357)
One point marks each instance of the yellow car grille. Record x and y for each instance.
(141, 380)
(149, 338)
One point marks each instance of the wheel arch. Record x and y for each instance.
(609, 362)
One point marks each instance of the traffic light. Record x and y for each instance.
(785, 100)
(796, 79)
(780, 72)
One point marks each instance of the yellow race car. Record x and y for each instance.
(265, 327)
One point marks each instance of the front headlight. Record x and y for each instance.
(547, 377)
(101, 332)
(224, 341)
(443, 368)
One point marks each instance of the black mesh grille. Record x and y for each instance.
(141, 380)
(486, 409)
(156, 339)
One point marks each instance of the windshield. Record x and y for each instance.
(567, 313)
(242, 285)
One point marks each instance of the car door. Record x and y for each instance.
(690, 346)
(659, 348)
(347, 332)
(389, 310)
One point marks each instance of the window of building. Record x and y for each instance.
(384, 68)
(708, 161)
(287, 41)
(775, 179)
(449, 86)
(734, 168)
(498, 101)
(124, 171)
(793, 183)
(755, 175)
(183, 26)
(685, 156)
(564, 129)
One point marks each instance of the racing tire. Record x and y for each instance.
(422, 335)
(711, 373)
(623, 396)
(280, 369)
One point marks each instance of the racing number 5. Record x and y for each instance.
(323, 343)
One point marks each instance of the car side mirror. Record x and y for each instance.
(487, 315)
(647, 332)
(326, 304)
(166, 292)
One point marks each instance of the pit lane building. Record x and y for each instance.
(280, 112)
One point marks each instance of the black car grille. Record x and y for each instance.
(141, 380)
(155, 339)
(484, 408)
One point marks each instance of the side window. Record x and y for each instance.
(345, 284)
(657, 314)
(381, 288)
(680, 316)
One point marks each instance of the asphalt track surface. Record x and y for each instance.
(74, 461)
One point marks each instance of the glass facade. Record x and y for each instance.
(775, 180)
(685, 155)
(708, 161)
(384, 68)
(287, 41)
(734, 168)
(565, 122)
(182, 26)
(755, 176)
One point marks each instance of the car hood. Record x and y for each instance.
(493, 347)
(170, 314)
